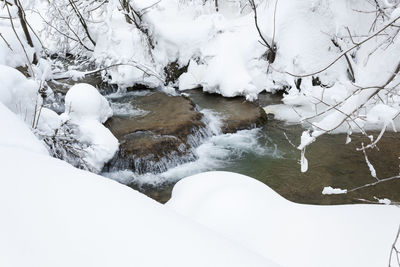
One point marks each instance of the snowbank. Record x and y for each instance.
(15, 133)
(11, 52)
(224, 55)
(19, 94)
(56, 215)
(313, 34)
(291, 234)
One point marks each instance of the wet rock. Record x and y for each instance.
(248, 116)
(237, 113)
(62, 85)
(138, 87)
(173, 71)
(161, 138)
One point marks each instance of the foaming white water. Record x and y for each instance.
(217, 152)
(213, 121)
(126, 109)
(123, 94)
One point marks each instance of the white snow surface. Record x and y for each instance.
(249, 212)
(329, 190)
(19, 94)
(56, 215)
(83, 101)
(16, 135)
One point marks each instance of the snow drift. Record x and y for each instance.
(249, 212)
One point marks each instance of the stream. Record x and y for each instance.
(265, 154)
(169, 138)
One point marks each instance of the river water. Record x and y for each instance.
(266, 155)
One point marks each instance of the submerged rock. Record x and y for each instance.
(159, 139)
(245, 116)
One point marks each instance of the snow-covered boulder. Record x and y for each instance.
(249, 212)
(83, 101)
(88, 109)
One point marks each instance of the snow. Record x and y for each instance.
(250, 213)
(88, 109)
(19, 94)
(85, 107)
(51, 209)
(15, 134)
(382, 113)
(328, 190)
(48, 121)
(14, 55)
(385, 201)
(224, 56)
(83, 101)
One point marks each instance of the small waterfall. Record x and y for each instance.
(185, 152)
(215, 152)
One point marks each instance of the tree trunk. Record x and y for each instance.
(125, 5)
(22, 19)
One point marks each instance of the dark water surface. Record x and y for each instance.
(331, 162)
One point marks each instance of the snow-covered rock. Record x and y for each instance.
(88, 109)
(83, 102)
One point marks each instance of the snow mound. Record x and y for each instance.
(19, 94)
(88, 109)
(249, 212)
(15, 133)
(83, 101)
(13, 55)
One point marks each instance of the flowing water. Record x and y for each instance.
(266, 155)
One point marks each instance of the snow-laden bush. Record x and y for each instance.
(81, 138)
(76, 136)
